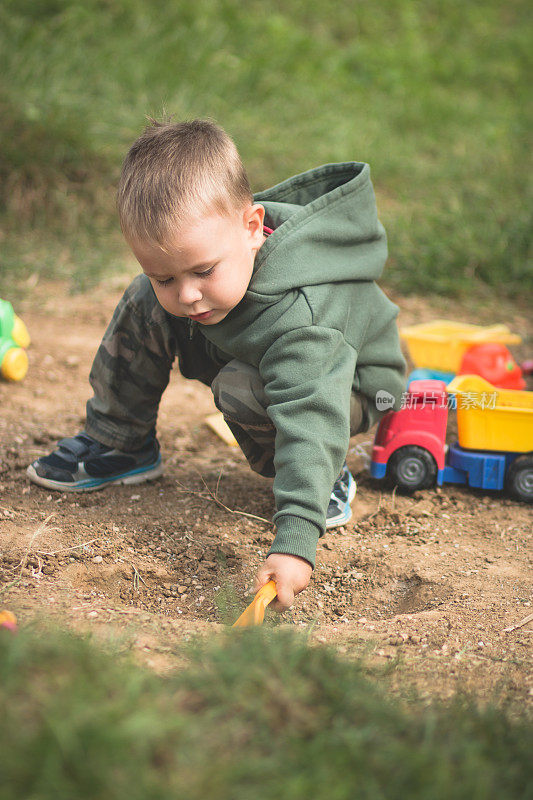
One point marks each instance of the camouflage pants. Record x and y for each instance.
(132, 368)
(240, 395)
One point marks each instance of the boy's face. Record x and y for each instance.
(206, 268)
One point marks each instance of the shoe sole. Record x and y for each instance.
(92, 485)
(336, 522)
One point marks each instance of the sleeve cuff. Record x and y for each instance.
(296, 536)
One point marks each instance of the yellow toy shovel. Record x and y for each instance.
(255, 613)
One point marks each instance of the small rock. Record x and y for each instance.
(181, 589)
(422, 509)
(97, 560)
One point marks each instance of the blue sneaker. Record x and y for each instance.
(81, 464)
(339, 511)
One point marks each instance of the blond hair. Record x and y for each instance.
(174, 173)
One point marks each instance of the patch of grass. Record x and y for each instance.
(254, 714)
(435, 96)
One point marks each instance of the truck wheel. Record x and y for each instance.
(519, 479)
(412, 468)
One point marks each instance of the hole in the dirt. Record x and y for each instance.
(412, 594)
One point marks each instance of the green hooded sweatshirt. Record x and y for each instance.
(316, 326)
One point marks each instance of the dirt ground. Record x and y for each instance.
(425, 584)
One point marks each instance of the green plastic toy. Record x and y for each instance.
(14, 339)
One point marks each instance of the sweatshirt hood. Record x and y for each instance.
(326, 230)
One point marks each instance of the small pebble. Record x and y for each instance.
(97, 560)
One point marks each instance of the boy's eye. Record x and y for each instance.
(205, 273)
(163, 283)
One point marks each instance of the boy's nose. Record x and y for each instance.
(189, 294)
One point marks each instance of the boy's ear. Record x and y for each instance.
(253, 219)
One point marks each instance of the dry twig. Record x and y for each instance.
(41, 528)
(66, 549)
(215, 499)
(520, 624)
(137, 577)
(22, 563)
(9, 513)
(376, 512)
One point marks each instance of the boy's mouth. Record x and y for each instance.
(199, 317)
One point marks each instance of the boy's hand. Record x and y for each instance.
(291, 574)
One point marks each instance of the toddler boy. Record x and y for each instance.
(271, 300)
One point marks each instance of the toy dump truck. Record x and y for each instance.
(495, 429)
(442, 349)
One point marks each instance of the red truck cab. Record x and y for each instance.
(414, 437)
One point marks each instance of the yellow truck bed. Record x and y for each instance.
(489, 418)
(441, 344)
